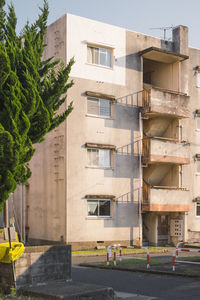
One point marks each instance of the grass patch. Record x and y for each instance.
(133, 263)
(14, 296)
(192, 272)
(104, 251)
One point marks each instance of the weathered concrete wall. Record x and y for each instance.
(164, 102)
(162, 75)
(80, 33)
(121, 180)
(150, 228)
(161, 127)
(38, 265)
(45, 215)
(168, 151)
(167, 200)
(191, 132)
(172, 177)
(155, 173)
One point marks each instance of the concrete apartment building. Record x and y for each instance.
(125, 165)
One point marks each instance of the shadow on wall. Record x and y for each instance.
(125, 117)
(125, 166)
(132, 61)
(122, 212)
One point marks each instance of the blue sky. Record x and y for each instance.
(136, 15)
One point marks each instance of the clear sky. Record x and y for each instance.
(136, 15)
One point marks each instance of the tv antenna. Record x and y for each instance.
(164, 29)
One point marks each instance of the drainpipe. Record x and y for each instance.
(140, 179)
(24, 213)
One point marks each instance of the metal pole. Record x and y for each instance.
(5, 214)
(12, 262)
(140, 177)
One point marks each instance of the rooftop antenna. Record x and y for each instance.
(164, 29)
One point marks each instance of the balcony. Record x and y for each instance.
(158, 101)
(164, 150)
(165, 199)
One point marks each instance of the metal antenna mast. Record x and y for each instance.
(164, 29)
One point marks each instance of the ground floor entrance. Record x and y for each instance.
(163, 232)
(161, 229)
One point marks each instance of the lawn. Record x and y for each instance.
(132, 263)
(124, 251)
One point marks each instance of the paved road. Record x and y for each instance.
(161, 287)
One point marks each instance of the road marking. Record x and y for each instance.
(128, 296)
(188, 262)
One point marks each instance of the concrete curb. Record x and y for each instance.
(150, 271)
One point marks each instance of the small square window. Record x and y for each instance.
(99, 56)
(198, 209)
(99, 107)
(198, 122)
(99, 208)
(99, 157)
(197, 165)
(198, 79)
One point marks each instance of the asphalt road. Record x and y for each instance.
(161, 287)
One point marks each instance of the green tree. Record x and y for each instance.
(31, 92)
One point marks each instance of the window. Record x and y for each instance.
(99, 158)
(99, 107)
(99, 208)
(198, 79)
(198, 122)
(197, 165)
(99, 56)
(198, 209)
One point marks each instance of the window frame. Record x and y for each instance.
(99, 216)
(197, 116)
(99, 166)
(198, 78)
(98, 49)
(197, 204)
(99, 108)
(197, 160)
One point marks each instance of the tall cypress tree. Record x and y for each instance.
(31, 92)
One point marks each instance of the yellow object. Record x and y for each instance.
(8, 255)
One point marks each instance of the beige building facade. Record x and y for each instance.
(125, 165)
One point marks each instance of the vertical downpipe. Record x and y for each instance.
(22, 217)
(140, 178)
(24, 214)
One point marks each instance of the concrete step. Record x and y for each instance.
(71, 290)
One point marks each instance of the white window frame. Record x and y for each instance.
(197, 161)
(198, 78)
(197, 118)
(99, 166)
(197, 204)
(99, 216)
(99, 50)
(99, 114)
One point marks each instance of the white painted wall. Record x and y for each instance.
(79, 32)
